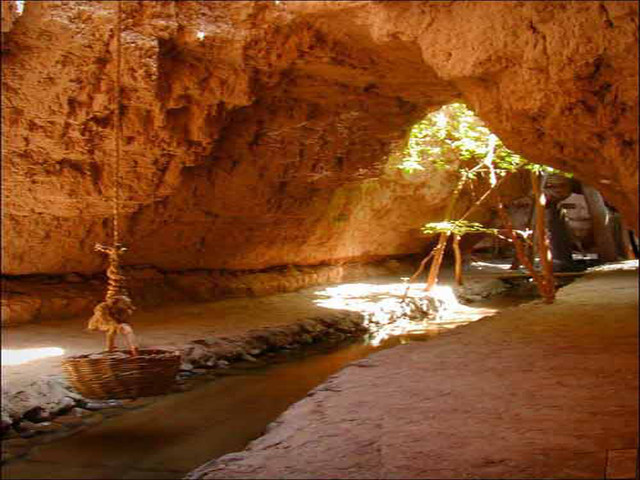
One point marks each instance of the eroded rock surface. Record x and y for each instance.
(250, 126)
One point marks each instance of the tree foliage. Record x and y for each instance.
(457, 227)
(454, 137)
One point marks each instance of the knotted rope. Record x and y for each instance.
(112, 315)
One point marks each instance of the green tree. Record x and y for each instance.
(455, 139)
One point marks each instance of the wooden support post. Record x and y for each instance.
(458, 259)
(548, 283)
(432, 279)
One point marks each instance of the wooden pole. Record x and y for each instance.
(458, 259)
(432, 278)
(548, 284)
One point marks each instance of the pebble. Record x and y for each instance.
(44, 427)
(110, 412)
(222, 364)
(10, 434)
(182, 388)
(73, 278)
(15, 447)
(248, 358)
(103, 405)
(40, 439)
(136, 403)
(7, 456)
(94, 419)
(15, 444)
(68, 420)
(80, 412)
(37, 415)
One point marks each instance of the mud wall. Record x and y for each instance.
(255, 131)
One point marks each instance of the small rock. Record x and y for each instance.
(184, 387)
(186, 367)
(222, 364)
(15, 443)
(200, 371)
(7, 456)
(73, 278)
(103, 405)
(137, 403)
(68, 421)
(305, 338)
(43, 427)
(6, 421)
(37, 415)
(248, 358)
(15, 447)
(110, 412)
(94, 419)
(11, 433)
(66, 405)
(80, 412)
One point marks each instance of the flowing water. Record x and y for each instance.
(176, 433)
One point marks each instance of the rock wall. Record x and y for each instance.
(253, 129)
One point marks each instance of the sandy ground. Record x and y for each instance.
(175, 325)
(538, 391)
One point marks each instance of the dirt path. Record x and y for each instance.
(536, 391)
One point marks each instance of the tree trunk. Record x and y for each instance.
(432, 279)
(602, 225)
(458, 259)
(548, 282)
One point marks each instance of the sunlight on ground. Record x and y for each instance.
(497, 266)
(25, 355)
(389, 312)
(625, 265)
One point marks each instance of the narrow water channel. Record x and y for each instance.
(176, 433)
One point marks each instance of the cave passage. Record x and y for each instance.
(221, 412)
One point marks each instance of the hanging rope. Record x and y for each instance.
(118, 127)
(112, 315)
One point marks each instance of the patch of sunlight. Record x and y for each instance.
(624, 265)
(399, 308)
(25, 355)
(200, 35)
(20, 6)
(488, 266)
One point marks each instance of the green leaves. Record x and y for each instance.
(453, 137)
(457, 227)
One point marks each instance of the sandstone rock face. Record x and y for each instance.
(255, 133)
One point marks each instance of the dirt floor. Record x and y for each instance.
(538, 391)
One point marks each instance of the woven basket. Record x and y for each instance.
(119, 374)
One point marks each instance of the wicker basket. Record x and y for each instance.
(119, 374)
